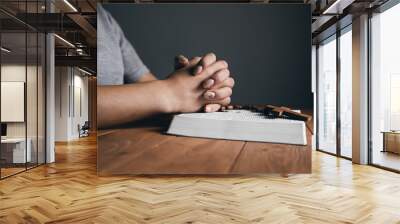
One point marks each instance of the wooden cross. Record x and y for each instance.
(286, 112)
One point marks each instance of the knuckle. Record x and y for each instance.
(205, 61)
(212, 55)
(209, 59)
(218, 77)
(224, 63)
(196, 59)
(208, 72)
(218, 95)
(229, 91)
(221, 94)
(227, 101)
(232, 82)
(222, 75)
(226, 70)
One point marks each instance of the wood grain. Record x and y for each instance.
(147, 151)
(274, 158)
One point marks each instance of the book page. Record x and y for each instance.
(236, 115)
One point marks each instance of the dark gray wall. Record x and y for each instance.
(268, 47)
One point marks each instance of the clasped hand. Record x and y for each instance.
(200, 83)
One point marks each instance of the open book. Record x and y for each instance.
(244, 125)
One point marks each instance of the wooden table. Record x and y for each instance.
(143, 148)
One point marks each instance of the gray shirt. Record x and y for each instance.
(117, 61)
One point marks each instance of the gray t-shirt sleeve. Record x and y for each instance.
(118, 62)
(133, 65)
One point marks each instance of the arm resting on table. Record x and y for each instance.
(125, 103)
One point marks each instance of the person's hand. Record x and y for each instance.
(185, 92)
(217, 85)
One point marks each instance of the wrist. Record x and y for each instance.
(168, 97)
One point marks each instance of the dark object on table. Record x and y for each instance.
(237, 107)
(272, 111)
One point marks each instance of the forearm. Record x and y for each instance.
(147, 78)
(125, 103)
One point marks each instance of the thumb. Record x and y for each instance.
(180, 61)
(194, 61)
(194, 66)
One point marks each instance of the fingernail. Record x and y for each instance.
(208, 109)
(207, 84)
(209, 95)
(198, 69)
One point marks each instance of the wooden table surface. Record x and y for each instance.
(144, 148)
